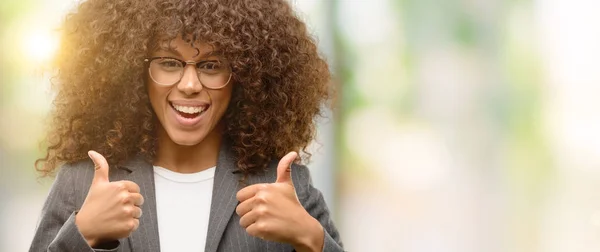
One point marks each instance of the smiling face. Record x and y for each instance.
(188, 112)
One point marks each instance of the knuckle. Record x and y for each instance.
(132, 225)
(120, 186)
(128, 211)
(261, 197)
(262, 227)
(262, 211)
(124, 198)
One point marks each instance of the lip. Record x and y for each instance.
(189, 103)
(187, 122)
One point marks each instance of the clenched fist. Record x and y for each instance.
(111, 210)
(272, 211)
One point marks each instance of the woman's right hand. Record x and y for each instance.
(111, 210)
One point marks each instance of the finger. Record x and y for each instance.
(129, 186)
(244, 207)
(100, 165)
(257, 229)
(137, 199)
(137, 212)
(133, 224)
(249, 191)
(249, 219)
(284, 168)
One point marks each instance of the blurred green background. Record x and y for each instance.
(458, 125)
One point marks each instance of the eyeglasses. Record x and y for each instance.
(166, 71)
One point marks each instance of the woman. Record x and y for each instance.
(195, 111)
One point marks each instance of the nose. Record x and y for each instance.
(190, 82)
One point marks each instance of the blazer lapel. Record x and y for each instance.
(226, 185)
(145, 238)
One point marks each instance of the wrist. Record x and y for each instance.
(312, 240)
(89, 238)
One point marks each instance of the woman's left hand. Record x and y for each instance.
(272, 211)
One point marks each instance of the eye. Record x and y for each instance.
(169, 64)
(209, 65)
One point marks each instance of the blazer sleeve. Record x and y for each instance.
(56, 230)
(314, 203)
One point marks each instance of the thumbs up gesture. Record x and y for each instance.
(111, 210)
(272, 211)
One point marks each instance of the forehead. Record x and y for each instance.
(185, 47)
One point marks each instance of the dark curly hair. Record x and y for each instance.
(101, 103)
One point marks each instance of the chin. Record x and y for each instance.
(186, 142)
(187, 139)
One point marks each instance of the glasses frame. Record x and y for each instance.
(185, 64)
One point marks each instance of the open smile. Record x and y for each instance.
(188, 114)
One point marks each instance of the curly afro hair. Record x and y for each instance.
(101, 103)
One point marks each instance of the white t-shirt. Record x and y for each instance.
(183, 208)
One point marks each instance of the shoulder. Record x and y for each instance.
(74, 179)
(69, 182)
(76, 170)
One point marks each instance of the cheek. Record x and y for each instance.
(222, 99)
(156, 95)
(224, 103)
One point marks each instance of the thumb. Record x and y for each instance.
(284, 168)
(101, 167)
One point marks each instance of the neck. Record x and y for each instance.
(188, 159)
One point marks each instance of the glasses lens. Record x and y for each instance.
(166, 71)
(214, 73)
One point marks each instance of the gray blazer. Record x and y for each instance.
(57, 231)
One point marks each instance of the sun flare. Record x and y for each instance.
(39, 46)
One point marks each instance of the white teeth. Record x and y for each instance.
(189, 110)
